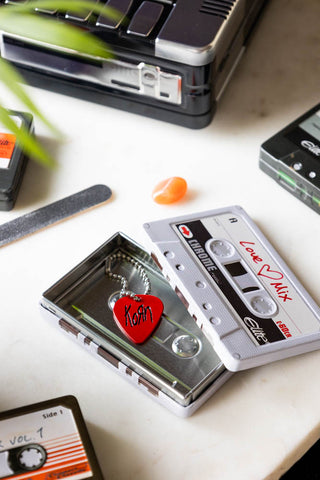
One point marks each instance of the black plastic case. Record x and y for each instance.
(175, 68)
(11, 173)
(292, 158)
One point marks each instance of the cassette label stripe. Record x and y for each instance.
(260, 269)
(56, 432)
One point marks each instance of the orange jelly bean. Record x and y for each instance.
(170, 190)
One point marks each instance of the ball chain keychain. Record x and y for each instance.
(137, 315)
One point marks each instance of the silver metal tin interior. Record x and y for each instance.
(83, 298)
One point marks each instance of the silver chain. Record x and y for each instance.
(124, 292)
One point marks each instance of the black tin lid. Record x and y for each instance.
(13, 160)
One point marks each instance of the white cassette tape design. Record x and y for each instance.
(238, 289)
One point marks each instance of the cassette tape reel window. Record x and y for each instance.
(171, 59)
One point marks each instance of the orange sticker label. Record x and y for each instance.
(7, 143)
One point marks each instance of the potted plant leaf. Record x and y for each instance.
(20, 19)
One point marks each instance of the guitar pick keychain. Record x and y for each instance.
(137, 315)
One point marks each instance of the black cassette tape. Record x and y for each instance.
(13, 159)
(47, 440)
(292, 158)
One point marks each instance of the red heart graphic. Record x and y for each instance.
(138, 319)
(265, 271)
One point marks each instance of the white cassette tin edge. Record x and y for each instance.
(266, 316)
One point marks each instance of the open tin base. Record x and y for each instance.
(176, 365)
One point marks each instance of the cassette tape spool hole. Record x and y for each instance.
(186, 346)
(31, 457)
(222, 248)
(263, 305)
(113, 299)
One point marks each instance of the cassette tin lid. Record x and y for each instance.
(236, 286)
(47, 440)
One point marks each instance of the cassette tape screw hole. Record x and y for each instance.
(168, 254)
(206, 306)
(297, 166)
(214, 320)
(180, 267)
(200, 284)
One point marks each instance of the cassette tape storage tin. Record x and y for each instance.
(292, 158)
(47, 440)
(171, 59)
(229, 302)
(176, 366)
(13, 159)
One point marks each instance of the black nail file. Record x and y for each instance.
(53, 213)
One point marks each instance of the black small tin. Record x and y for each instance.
(13, 160)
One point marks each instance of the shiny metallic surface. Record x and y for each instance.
(85, 296)
(186, 346)
(138, 78)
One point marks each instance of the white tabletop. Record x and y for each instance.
(262, 420)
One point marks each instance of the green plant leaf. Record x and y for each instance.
(78, 6)
(48, 31)
(13, 80)
(21, 20)
(30, 145)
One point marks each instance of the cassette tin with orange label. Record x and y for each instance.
(13, 160)
(47, 440)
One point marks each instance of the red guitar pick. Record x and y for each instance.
(138, 319)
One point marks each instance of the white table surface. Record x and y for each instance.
(262, 420)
